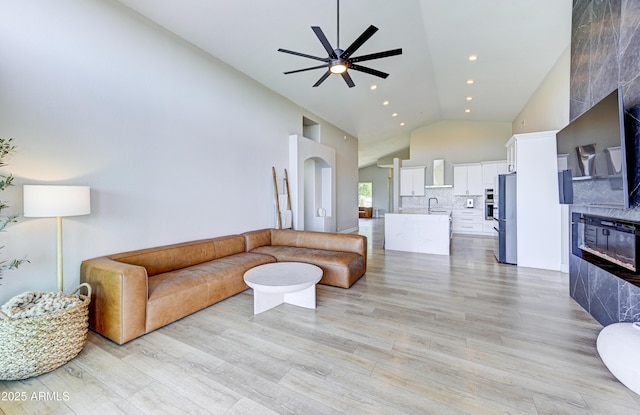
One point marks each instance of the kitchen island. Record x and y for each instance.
(418, 231)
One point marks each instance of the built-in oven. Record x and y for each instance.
(488, 211)
(488, 195)
(488, 204)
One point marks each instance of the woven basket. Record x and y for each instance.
(36, 345)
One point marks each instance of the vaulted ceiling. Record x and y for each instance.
(516, 41)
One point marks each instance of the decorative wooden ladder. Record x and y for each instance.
(287, 194)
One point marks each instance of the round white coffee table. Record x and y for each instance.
(283, 282)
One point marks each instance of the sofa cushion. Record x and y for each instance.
(247, 260)
(168, 283)
(225, 275)
(340, 269)
(176, 294)
(173, 295)
(169, 258)
(229, 245)
(318, 240)
(177, 256)
(258, 238)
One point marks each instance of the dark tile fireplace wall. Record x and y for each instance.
(605, 45)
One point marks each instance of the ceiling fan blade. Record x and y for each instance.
(305, 69)
(369, 71)
(323, 39)
(322, 78)
(359, 41)
(304, 55)
(378, 55)
(348, 80)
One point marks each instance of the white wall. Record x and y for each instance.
(548, 107)
(346, 153)
(175, 144)
(457, 142)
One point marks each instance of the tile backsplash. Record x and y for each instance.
(445, 197)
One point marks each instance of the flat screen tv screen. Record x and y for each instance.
(592, 156)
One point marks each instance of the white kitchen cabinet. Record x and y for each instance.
(412, 181)
(469, 221)
(489, 174)
(474, 180)
(503, 167)
(467, 179)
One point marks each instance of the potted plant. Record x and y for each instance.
(6, 149)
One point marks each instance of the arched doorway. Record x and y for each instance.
(318, 198)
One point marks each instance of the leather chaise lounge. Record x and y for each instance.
(139, 291)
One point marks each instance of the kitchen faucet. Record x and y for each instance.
(429, 203)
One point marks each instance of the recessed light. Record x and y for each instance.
(473, 58)
(467, 110)
(469, 81)
(469, 98)
(395, 114)
(385, 103)
(374, 86)
(401, 124)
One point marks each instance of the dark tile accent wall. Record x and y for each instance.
(605, 54)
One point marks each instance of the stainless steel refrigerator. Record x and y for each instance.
(505, 230)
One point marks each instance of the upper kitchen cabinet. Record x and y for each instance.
(491, 170)
(412, 181)
(467, 179)
(503, 167)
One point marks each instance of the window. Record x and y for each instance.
(364, 194)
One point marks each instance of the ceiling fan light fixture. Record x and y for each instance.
(338, 68)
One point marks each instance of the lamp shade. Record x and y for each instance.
(45, 201)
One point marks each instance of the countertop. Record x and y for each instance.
(424, 211)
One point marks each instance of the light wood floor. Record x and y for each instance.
(419, 334)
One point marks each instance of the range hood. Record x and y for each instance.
(438, 174)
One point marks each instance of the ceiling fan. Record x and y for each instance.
(340, 61)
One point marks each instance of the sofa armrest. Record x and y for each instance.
(118, 305)
(356, 244)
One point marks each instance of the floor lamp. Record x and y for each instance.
(48, 201)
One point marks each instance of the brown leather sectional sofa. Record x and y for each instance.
(137, 292)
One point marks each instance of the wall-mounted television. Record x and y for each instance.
(594, 156)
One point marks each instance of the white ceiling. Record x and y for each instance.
(516, 41)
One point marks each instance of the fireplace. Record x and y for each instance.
(609, 243)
